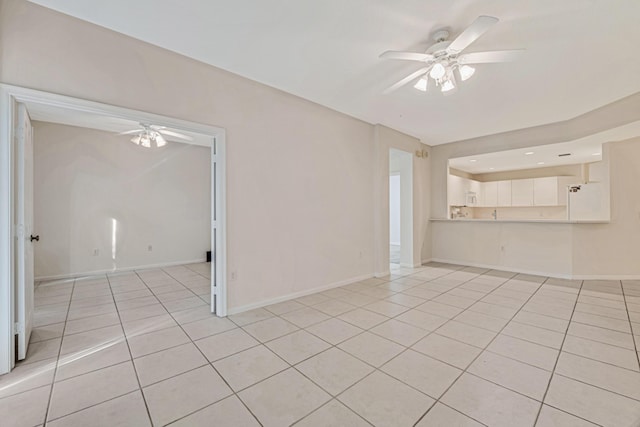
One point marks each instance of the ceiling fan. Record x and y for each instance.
(445, 59)
(149, 136)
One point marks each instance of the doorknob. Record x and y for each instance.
(36, 238)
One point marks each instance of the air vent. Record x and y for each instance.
(564, 154)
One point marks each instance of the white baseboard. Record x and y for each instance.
(382, 273)
(118, 270)
(294, 295)
(543, 273)
(503, 268)
(606, 277)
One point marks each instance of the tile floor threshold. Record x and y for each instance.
(436, 345)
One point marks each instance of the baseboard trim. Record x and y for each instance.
(543, 273)
(382, 273)
(294, 295)
(118, 270)
(503, 268)
(606, 277)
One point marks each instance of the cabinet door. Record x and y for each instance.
(522, 192)
(545, 191)
(473, 193)
(489, 194)
(504, 193)
(456, 190)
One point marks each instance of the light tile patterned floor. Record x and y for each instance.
(440, 345)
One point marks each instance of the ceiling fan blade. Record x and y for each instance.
(490, 56)
(409, 56)
(471, 34)
(131, 132)
(174, 134)
(406, 80)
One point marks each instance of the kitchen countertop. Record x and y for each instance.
(545, 221)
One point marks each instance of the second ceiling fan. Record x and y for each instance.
(444, 61)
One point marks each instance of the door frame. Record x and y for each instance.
(10, 97)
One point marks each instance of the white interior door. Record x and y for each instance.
(24, 223)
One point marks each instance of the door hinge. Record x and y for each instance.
(214, 158)
(18, 328)
(215, 291)
(214, 224)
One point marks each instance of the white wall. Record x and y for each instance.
(299, 176)
(394, 209)
(86, 179)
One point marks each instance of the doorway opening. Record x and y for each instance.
(400, 209)
(18, 106)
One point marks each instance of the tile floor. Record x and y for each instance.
(440, 345)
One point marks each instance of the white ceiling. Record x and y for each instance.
(580, 54)
(115, 125)
(583, 150)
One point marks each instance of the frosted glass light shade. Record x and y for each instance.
(466, 72)
(421, 84)
(437, 71)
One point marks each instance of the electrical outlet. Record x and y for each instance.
(234, 275)
(502, 248)
(150, 248)
(96, 252)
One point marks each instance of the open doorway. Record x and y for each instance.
(400, 209)
(394, 218)
(16, 287)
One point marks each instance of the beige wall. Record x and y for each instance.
(607, 249)
(86, 179)
(534, 248)
(300, 194)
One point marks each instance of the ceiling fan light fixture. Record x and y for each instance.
(437, 71)
(466, 72)
(145, 141)
(160, 141)
(447, 86)
(421, 84)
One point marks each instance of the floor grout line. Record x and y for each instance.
(144, 399)
(465, 283)
(559, 354)
(635, 342)
(212, 367)
(480, 353)
(55, 372)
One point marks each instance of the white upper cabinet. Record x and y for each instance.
(472, 194)
(545, 191)
(489, 193)
(552, 191)
(456, 190)
(522, 192)
(504, 193)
